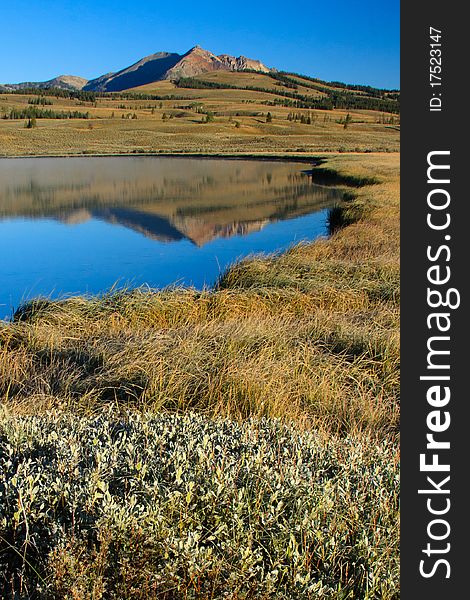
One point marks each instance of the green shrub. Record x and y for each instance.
(190, 507)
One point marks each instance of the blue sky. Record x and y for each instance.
(350, 41)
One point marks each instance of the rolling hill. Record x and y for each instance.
(65, 82)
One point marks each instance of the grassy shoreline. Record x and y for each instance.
(308, 338)
(278, 156)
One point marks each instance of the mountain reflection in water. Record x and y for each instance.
(165, 199)
(79, 225)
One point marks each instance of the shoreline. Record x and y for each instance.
(321, 156)
(334, 177)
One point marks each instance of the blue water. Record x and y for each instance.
(123, 244)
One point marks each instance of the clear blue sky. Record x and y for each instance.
(351, 41)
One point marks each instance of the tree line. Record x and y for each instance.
(31, 112)
(40, 101)
(367, 89)
(52, 91)
(333, 99)
(89, 96)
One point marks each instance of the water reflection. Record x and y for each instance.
(80, 225)
(164, 199)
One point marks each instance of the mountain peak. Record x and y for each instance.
(198, 50)
(195, 62)
(198, 60)
(72, 81)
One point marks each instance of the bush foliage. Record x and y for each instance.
(190, 507)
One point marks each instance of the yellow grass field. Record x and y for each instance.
(121, 126)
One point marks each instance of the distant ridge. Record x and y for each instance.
(152, 68)
(66, 82)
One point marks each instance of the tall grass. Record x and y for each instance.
(325, 357)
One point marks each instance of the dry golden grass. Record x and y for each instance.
(239, 127)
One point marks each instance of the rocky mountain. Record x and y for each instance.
(155, 67)
(171, 66)
(242, 63)
(195, 62)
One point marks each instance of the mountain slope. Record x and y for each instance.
(147, 70)
(66, 82)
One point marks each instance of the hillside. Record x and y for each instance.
(147, 70)
(201, 69)
(65, 82)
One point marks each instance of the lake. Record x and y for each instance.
(82, 225)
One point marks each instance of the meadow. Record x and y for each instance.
(235, 443)
(164, 117)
